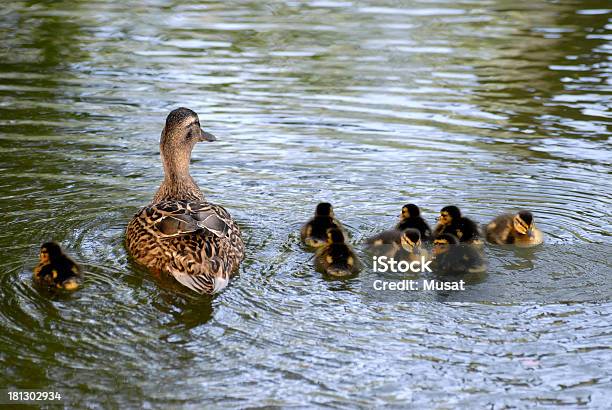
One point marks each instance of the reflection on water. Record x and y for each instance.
(490, 105)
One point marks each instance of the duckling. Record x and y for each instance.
(411, 218)
(336, 258)
(314, 232)
(56, 269)
(518, 229)
(180, 233)
(410, 246)
(396, 244)
(451, 221)
(453, 258)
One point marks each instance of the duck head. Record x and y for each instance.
(523, 223)
(50, 252)
(180, 134)
(448, 214)
(324, 209)
(443, 243)
(410, 239)
(410, 211)
(335, 235)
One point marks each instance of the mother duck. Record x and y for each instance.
(180, 233)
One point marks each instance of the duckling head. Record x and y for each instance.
(180, 134)
(442, 243)
(335, 235)
(410, 211)
(410, 239)
(448, 214)
(523, 223)
(50, 252)
(324, 209)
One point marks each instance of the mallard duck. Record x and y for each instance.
(451, 221)
(56, 269)
(518, 229)
(180, 233)
(336, 258)
(453, 258)
(314, 232)
(411, 218)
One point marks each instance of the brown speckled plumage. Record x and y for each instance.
(180, 233)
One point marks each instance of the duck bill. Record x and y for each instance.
(530, 233)
(207, 137)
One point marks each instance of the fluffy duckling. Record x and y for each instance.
(396, 244)
(518, 229)
(411, 218)
(336, 258)
(453, 258)
(56, 269)
(410, 246)
(451, 221)
(314, 232)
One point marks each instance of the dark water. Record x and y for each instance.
(492, 105)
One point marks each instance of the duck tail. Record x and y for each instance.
(339, 271)
(70, 284)
(219, 283)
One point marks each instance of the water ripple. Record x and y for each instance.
(492, 106)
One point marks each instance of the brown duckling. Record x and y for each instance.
(336, 258)
(396, 244)
(518, 229)
(410, 246)
(56, 269)
(453, 258)
(314, 232)
(451, 221)
(411, 218)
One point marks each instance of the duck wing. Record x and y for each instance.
(390, 237)
(499, 230)
(176, 218)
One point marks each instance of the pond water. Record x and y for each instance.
(490, 105)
